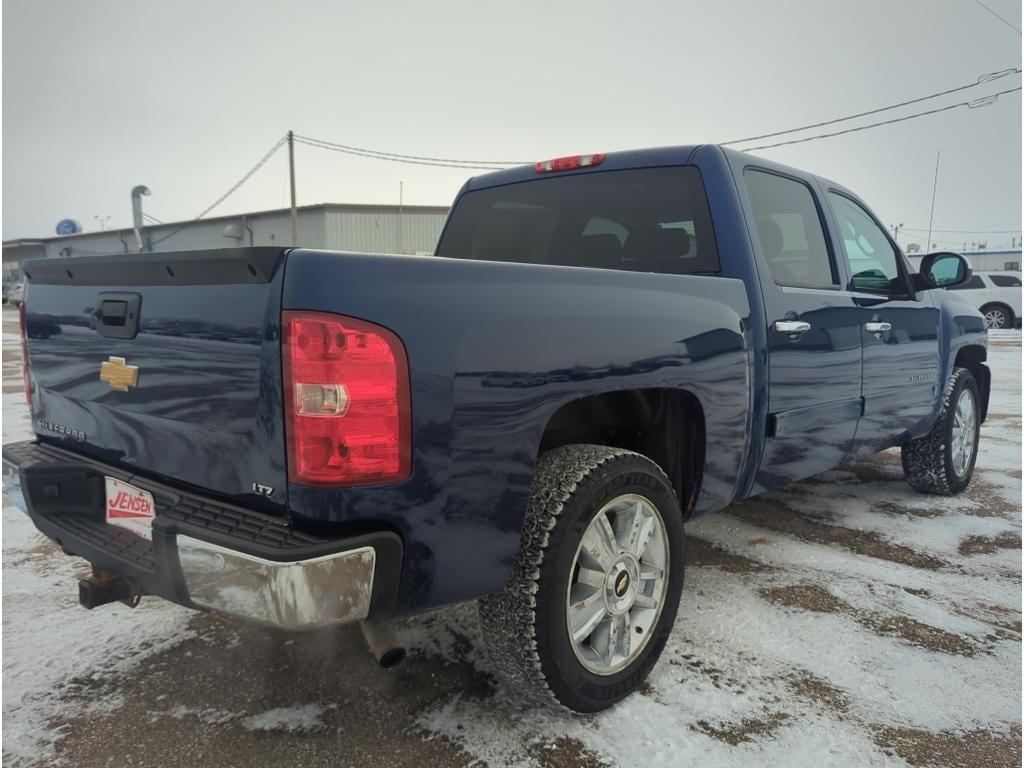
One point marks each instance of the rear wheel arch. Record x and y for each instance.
(665, 425)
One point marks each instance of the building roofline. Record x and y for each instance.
(997, 252)
(358, 207)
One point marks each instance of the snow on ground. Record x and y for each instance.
(1007, 335)
(843, 621)
(298, 717)
(49, 642)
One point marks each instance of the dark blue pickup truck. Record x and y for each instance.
(601, 347)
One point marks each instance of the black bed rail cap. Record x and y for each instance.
(220, 266)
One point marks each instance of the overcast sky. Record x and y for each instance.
(186, 96)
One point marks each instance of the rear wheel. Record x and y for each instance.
(997, 316)
(597, 582)
(943, 461)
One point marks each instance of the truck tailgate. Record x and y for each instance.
(166, 363)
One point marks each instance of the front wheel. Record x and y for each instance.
(597, 581)
(943, 461)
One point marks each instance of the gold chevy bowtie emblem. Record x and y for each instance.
(118, 374)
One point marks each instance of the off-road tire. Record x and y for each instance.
(928, 461)
(524, 625)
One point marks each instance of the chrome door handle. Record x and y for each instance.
(877, 327)
(792, 326)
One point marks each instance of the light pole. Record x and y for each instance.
(102, 221)
(896, 231)
(291, 178)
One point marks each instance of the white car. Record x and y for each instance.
(997, 296)
(15, 295)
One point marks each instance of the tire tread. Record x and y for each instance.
(924, 459)
(509, 619)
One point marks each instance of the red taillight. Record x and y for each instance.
(24, 354)
(569, 163)
(346, 401)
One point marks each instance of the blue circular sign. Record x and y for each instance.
(68, 227)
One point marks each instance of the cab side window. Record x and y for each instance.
(973, 284)
(789, 229)
(873, 260)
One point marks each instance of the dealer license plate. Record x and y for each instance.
(130, 507)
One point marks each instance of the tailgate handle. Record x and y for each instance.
(114, 312)
(117, 315)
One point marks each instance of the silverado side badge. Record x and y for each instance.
(118, 374)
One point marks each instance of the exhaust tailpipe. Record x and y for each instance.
(383, 644)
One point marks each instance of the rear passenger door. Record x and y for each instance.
(899, 331)
(814, 338)
(1005, 293)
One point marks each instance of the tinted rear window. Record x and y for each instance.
(1005, 281)
(647, 220)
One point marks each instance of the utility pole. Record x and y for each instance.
(401, 184)
(291, 176)
(931, 216)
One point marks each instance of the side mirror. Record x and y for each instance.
(942, 270)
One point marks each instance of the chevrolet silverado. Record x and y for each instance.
(601, 347)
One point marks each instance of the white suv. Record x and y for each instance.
(996, 295)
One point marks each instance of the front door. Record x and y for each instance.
(814, 337)
(899, 331)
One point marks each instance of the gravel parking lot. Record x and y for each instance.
(843, 621)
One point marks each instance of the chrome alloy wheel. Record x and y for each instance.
(617, 584)
(995, 318)
(964, 433)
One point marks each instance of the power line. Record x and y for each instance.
(986, 78)
(501, 164)
(262, 161)
(445, 162)
(1007, 23)
(983, 101)
(324, 145)
(404, 156)
(966, 231)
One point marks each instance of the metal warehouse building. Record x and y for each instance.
(995, 261)
(339, 227)
(1007, 260)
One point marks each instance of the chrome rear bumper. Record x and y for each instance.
(332, 589)
(12, 485)
(304, 584)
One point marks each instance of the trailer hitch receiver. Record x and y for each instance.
(103, 587)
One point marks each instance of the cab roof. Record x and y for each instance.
(644, 158)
